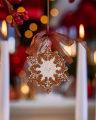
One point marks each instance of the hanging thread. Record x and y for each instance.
(48, 15)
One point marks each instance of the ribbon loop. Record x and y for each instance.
(55, 39)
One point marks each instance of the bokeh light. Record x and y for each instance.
(9, 18)
(28, 33)
(44, 19)
(33, 27)
(54, 12)
(25, 89)
(21, 9)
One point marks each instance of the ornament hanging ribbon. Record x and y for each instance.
(55, 39)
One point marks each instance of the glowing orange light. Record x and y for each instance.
(28, 33)
(25, 89)
(4, 29)
(44, 19)
(21, 9)
(9, 18)
(33, 26)
(54, 12)
(81, 31)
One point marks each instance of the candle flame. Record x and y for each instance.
(4, 28)
(81, 31)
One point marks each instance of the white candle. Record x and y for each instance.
(81, 87)
(4, 81)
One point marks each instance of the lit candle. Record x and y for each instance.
(81, 87)
(4, 76)
(4, 30)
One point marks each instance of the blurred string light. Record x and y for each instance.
(21, 9)
(95, 57)
(28, 33)
(54, 12)
(4, 29)
(25, 89)
(33, 27)
(9, 18)
(11, 45)
(44, 19)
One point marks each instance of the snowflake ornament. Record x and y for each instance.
(47, 69)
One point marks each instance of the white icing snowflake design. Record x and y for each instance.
(47, 69)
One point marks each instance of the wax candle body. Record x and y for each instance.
(4, 81)
(81, 87)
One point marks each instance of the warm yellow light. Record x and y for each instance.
(25, 89)
(81, 31)
(9, 18)
(28, 33)
(4, 29)
(44, 19)
(95, 57)
(33, 27)
(54, 12)
(21, 9)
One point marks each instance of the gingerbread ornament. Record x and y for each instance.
(47, 58)
(47, 69)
